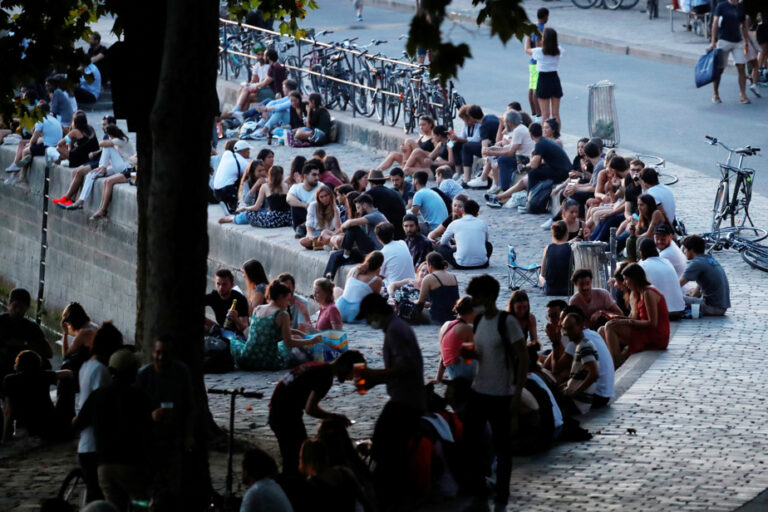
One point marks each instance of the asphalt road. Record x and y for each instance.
(660, 110)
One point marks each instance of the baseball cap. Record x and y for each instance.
(663, 229)
(123, 360)
(241, 145)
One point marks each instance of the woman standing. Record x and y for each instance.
(256, 283)
(270, 323)
(322, 219)
(362, 280)
(441, 288)
(548, 89)
(647, 327)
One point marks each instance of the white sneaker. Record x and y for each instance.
(238, 116)
(753, 88)
(10, 180)
(477, 183)
(494, 189)
(522, 209)
(509, 204)
(12, 168)
(548, 224)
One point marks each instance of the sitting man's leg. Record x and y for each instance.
(446, 251)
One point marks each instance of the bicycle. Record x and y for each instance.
(606, 4)
(735, 206)
(658, 163)
(230, 502)
(753, 253)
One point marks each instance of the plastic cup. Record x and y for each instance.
(468, 346)
(695, 310)
(359, 382)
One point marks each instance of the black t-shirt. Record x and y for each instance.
(489, 126)
(553, 155)
(174, 387)
(221, 306)
(88, 143)
(17, 334)
(390, 203)
(320, 119)
(632, 190)
(292, 392)
(121, 417)
(731, 17)
(30, 399)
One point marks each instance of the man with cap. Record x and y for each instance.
(664, 238)
(227, 178)
(662, 275)
(121, 416)
(403, 374)
(18, 333)
(418, 244)
(387, 201)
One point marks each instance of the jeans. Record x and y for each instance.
(602, 231)
(89, 463)
(354, 236)
(507, 169)
(227, 195)
(278, 119)
(447, 252)
(90, 178)
(495, 410)
(121, 483)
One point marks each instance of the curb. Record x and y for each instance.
(608, 45)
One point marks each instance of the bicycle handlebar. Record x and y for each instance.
(747, 151)
(236, 391)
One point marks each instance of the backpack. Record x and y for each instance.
(538, 197)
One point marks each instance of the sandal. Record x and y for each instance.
(716, 99)
(745, 101)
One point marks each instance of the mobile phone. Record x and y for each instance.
(635, 216)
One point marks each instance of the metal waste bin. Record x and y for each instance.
(603, 119)
(593, 255)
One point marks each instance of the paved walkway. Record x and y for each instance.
(621, 31)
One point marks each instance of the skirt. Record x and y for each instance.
(548, 85)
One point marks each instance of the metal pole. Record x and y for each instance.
(354, 89)
(43, 241)
(298, 47)
(225, 45)
(230, 443)
(613, 252)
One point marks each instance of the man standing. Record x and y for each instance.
(712, 292)
(359, 236)
(388, 201)
(221, 299)
(496, 389)
(663, 237)
(226, 181)
(301, 391)
(594, 302)
(662, 275)
(730, 33)
(300, 195)
(169, 386)
(403, 374)
(427, 202)
(97, 53)
(398, 262)
(418, 244)
(470, 234)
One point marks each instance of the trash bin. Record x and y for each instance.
(603, 120)
(593, 255)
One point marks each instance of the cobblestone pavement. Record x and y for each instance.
(699, 410)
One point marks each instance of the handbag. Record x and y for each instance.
(709, 66)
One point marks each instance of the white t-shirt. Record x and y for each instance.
(557, 414)
(546, 63)
(312, 218)
(675, 256)
(521, 135)
(663, 276)
(302, 194)
(93, 375)
(663, 195)
(470, 234)
(493, 376)
(398, 262)
(228, 172)
(260, 70)
(604, 383)
(124, 147)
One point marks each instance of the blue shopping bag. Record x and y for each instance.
(334, 344)
(709, 66)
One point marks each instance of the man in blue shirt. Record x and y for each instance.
(427, 202)
(712, 293)
(90, 85)
(61, 107)
(730, 33)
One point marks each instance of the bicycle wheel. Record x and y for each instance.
(719, 209)
(306, 84)
(745, 233)
(584, 4)
(458, 102)
(628, 4)
(756, 258)
(667, 179)
(409, 111)
(612, 4)
(73, 489)
(291, 63)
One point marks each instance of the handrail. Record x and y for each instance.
(325, 45)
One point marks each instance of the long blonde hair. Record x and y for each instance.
(325, 214)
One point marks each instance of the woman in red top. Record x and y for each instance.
(452, 335)
(647, 328)
(329, 316)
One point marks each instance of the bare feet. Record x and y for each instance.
(100, 214)
(226, 220)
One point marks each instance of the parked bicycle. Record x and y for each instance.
(659, 164)
(742, 239)
(605, 4)
(733, 206)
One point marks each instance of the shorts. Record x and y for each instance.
(548, 85)
(735, 49)
(533, 76)
(752, 51)
(37, 149)
(762, 33)
(318, 137)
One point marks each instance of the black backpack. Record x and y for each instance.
(538, 197)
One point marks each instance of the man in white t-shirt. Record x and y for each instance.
(470, 234)
(649, 179)
(662, 275)
(398, 262)
(300, 195)
(515, 149)
(663, 237)
(231, 168)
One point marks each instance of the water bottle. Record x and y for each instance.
(287, 137)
